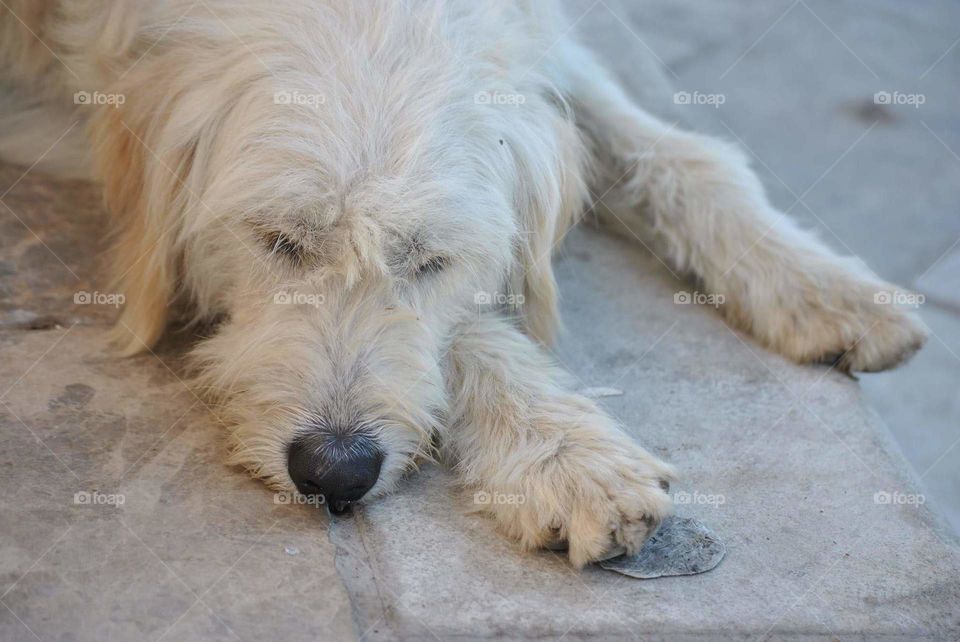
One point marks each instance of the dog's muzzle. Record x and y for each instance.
(340, 469)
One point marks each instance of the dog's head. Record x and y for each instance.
(345, 237)
(341, 308)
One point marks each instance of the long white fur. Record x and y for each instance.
(396, 160)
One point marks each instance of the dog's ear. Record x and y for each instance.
(532, 281)
(552, 194)
(144, 196)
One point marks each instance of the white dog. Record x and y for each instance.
(340, 181)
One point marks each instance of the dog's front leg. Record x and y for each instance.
(546, 463)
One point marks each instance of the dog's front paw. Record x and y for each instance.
(598, 498)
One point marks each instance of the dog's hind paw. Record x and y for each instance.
(854, 323)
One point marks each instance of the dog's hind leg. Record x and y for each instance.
(546, 463)
(696, 203)
(43, 135)
(39, 126)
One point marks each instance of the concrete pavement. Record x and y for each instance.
(829, 494)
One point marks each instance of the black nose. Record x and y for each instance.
(339, 468)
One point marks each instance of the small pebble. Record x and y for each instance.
(291, 550)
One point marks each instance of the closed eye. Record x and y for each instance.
(433, 265)
(280, 244)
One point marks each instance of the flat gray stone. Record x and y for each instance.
(681, 546)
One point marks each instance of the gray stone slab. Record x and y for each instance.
(799, 79)
(52, 242)
(610, 29)
(802, 466)
(196, 550)
(941, 283)
(783, 462)
(668, 33)
(920, 405)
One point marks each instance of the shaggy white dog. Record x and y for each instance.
(343, 181)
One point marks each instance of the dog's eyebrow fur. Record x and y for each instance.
(432, 265)
(281, 244)
(412, 254)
